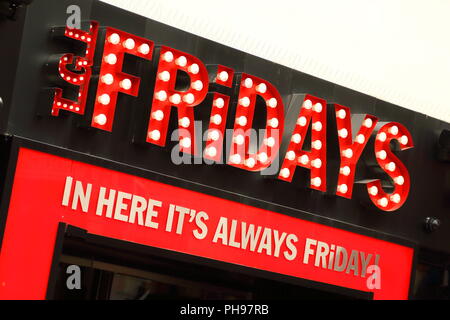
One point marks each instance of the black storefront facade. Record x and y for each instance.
(104, 172)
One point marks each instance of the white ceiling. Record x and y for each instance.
(395, 50)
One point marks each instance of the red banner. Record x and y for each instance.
(49, 189)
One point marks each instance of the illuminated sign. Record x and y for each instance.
(312, 114)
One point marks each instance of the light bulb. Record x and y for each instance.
(262, 157)
(155, 135)
(239, 139)
(129, 44)
(197, 85)
(382, 137)
(316, 163)
(245, 102)
(248, 83)
(272, 103)
(316, 182)
(296, 138)
(368, 123)
(404, 140)
(236, 159)
(175, 99)
(360, 138)
(211, 151)
(394, 130)
(158, 115)
(273, 122)
(184, 122)
(219, 103)
(343, 133)
(104, 99)
(242, 121)
(214, 135)
(186, 142)
(270, 142)
(345, 171)
(261, 88)
(223, 76)
(144, 49)
(114, 38)
(373, 191)
(383, 202)
(390, 166)
(189, 98)
(164, 76)
(285, 173)
(318, 107)
(382, 155)
(250, 162)
(317, 144)
(111, 59)
(399, 180)
(307, 104)
(161, 95)
(317, 126)
(341, 114)
(181, 61)
(194, 68)
(108, 79)
(290, 155)
(304, 159)
(168, 56)
(395, 198)
(101, 119)
(343, 188)
(301, 121)
(216, 119)
(125, 84)
(348, 153)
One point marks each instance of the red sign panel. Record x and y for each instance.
(49, 189)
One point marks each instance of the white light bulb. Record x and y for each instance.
(175, 99)
(261, 88)
(168, 56)
(129, 44)
(250, 162)
(186, 142)
(383, 202)
(155, 135)
(197, 85)
(394, 130)
(125, 84)
(111, 59)
(108, 79)
(262, 157)
(317, 126)
(219, 103)
(368, 123)
(290, 155)
(248, 83)
(194, 68)
(343, 188)
(216, 119)
(301, 121)
(318, 107)
(317, 144)
(181, 61)
(304, 159)
(223, 76)
(211, 151)
(399, 180)
(101, 119)
(382, 155)
(245, 102)
(164, 76)
(382, 137)
(404, 140)
(307, 104)
(270, 142)
(242, 121)
(272, 103)
(158, 115)
(343, 133)
(341, 114)
(345, 171)
(184, 122)
(236, 159)
(214, 135)
(390, 166)
(104, 99)
(373, 191)
(144, 49)
(348, 153)
(161, 95)
(239, 139)
(273, 122)
(189, 98)
(285, 173)
(316, 163)
(360, 138)
(296, 138)
(114, 38)
(316, 182)
(395, 198)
